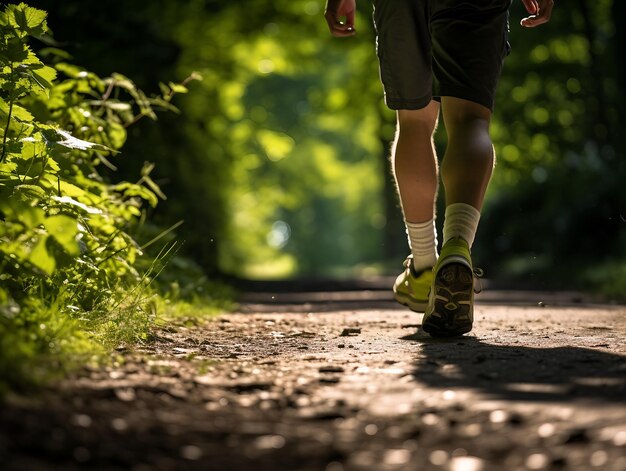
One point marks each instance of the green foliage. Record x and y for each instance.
(557, 199)
(291, 139)
(287, 135)
(277, 164)
(67, 257)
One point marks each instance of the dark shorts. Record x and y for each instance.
(433, 48)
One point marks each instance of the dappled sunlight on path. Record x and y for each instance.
(339, 390)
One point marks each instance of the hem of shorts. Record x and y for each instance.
(466, 94)
(416, 104)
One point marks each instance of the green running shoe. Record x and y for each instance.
(450, 310)
(411, 288)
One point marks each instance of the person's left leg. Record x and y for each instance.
(414, 161)
(415, 171)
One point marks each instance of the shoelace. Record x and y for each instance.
(478, 274)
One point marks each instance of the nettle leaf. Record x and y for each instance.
(166, 105)
(32, 148)
(41, 258)
(121, 81)
(8, 168)
(65, 139)
(17, 112)
(29, 192)
(67, 200)
(130, 190)
(55, 52)
(71, 70)
(28, 19)
(64, 230)
(44, 76)
(165, 90)
(23, 211)
(14, 50)
(21, 114)
(68, 189)
(117, 134)
(178, 88)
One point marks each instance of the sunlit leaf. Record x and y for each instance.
(17, 112)
(55, 52)
(28, 19)
(63, 229)
(68, 189)
(65, 139)
(77, 204)
(41, 258)
(44, 76)
(178, 88)
(117, 135)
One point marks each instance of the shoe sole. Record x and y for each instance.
(405, 300)
(453, 311)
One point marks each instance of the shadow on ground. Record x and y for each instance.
(515, 373)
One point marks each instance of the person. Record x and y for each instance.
(448, 55)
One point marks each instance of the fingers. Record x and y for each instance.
(541, 15)
(531, 6)
(336, 27)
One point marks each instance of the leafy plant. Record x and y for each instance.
(65, 229)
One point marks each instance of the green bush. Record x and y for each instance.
(68, 261)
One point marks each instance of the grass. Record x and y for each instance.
(41, 342)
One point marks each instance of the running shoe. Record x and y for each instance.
(411, 288)
(450, 310)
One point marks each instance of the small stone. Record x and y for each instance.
(268, 442)
(350, 331)
(438, 457)
(537, 461)
(82, 420)
(191, 452)
(466, 463)
(119, 425)
(125, 394)
(578, 436)
(397, 457)
(331, 369)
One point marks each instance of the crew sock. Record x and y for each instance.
(461, 220)
(423, 242)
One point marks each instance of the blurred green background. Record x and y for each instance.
(278, 162)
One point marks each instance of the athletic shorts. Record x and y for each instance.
(433, 48)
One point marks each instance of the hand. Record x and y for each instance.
(540, 11)
(336, 9)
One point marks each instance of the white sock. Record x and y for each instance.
(423, 242)
(461, 221)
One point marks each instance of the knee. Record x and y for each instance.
(467, 118)
(420, 122)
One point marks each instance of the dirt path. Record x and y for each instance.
(359, 388)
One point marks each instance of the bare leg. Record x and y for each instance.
(466, 169)
(468, 162)
(414, 162)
